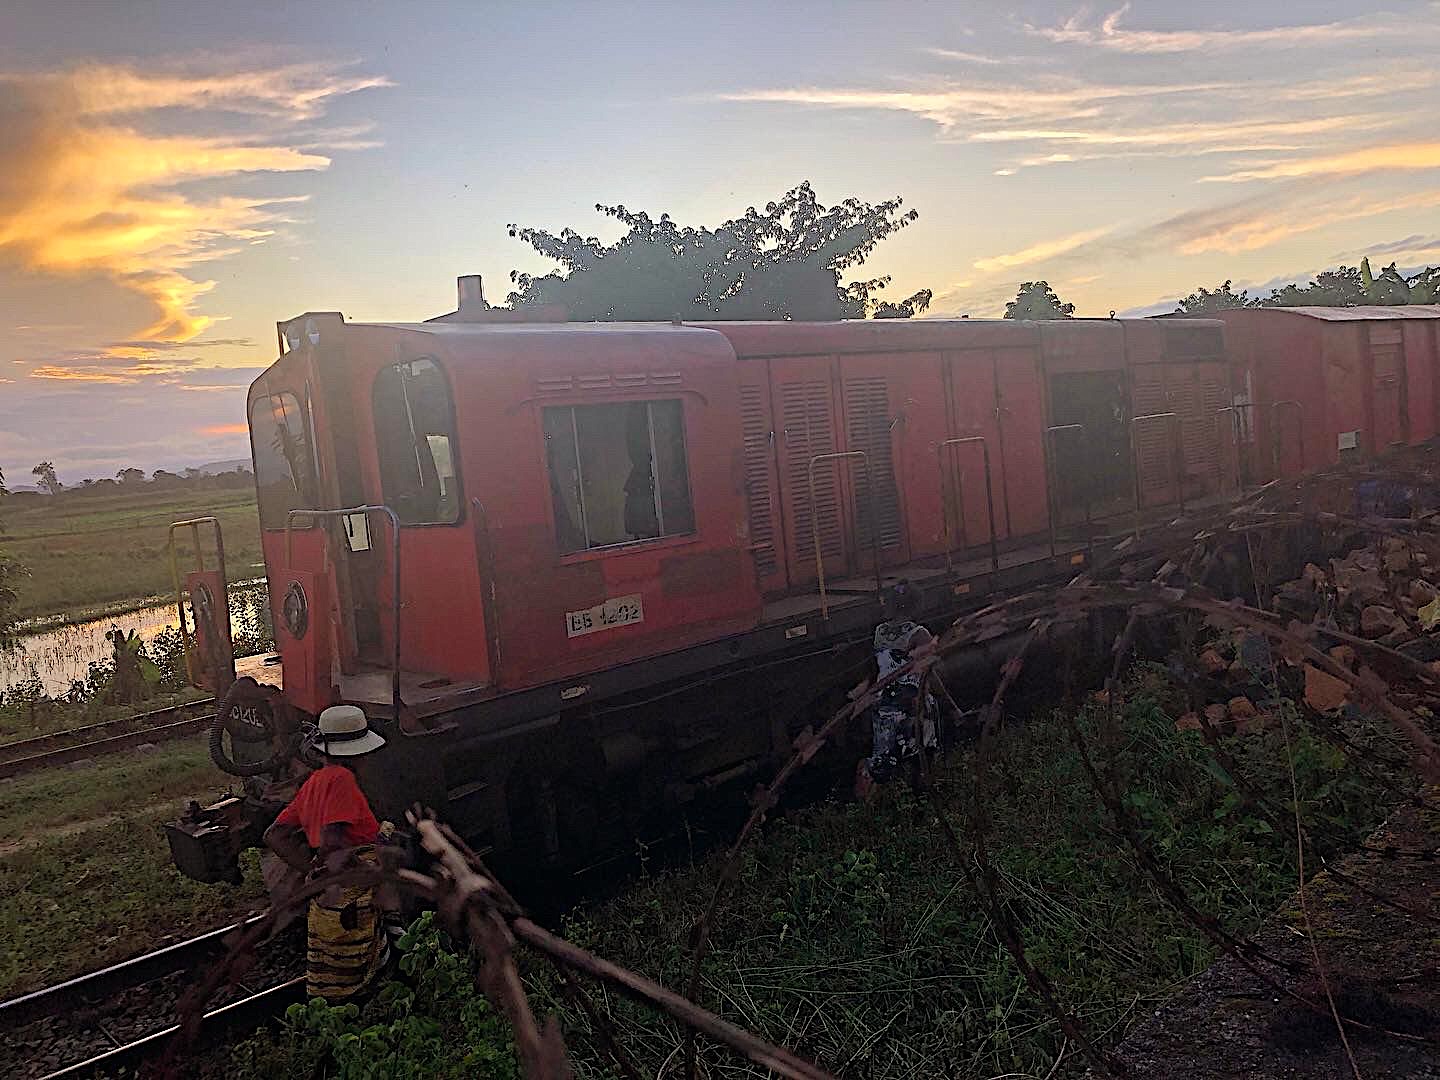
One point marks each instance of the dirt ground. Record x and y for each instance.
(1382, 966)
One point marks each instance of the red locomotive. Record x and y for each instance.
(581, 572)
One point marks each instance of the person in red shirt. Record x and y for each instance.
(328, 822)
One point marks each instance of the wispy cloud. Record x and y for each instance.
(1039, 253)
(1258, 222)
(957, 104)
(1397, 156)
(1109, 34)
(965, 57)
(90, 187)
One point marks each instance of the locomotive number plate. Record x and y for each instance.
(621, 611)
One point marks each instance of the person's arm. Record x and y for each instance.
(334, 837)
(288, 842)
(918, 637)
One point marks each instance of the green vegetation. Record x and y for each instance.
(1344, 286)
(853, 937)
(431, 1022)
(119, 784)
(92, 552)
(75, 897)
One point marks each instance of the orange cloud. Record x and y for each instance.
(1405, 156)
(86, 189)
(224, 429)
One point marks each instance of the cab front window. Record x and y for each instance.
(284, 462)
(415, 441)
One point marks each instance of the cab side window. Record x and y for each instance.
(284, 462)
(618, 473)
(415, 441)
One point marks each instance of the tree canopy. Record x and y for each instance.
(784, 262)
(45, 474)
(1344, 286)
(1036, 300)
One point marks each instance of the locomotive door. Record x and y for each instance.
(974, 414)
(868, 385)
(1387, 387)
(808, 426)
(1019, 407)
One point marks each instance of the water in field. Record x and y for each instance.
(63, 655)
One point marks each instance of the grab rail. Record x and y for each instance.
(1177, 459)
(367, 510)
(960, 498)
(193, 524)
(815, 523)
(1052, 502)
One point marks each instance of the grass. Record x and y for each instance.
(96, 554)
(116, 784)
(73, 899)
(854, 938)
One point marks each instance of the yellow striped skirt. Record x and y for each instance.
(346, 946)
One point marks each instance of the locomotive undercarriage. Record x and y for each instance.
(565, 788)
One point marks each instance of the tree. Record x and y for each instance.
(1036, 300)
(784, 263)
(131, 476)
(1341, 287)
(48, 480)
(1206, 301)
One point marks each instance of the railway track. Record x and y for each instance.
(123, 1016)
(104, 737)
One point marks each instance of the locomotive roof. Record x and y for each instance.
(1365, 312)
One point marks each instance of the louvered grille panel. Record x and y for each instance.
(809, 431)
(1151, 437)
(1214, 396)
(755, 434)
(867, 423)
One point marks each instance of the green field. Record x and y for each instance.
(85, 874)
(93, 553)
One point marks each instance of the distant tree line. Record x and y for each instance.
(1344, 286)
(131, 479)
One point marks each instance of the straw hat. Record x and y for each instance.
(345, 733)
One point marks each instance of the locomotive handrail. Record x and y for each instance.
(367, 510)
(193, 524)
(960, 498)
(815, 523)
(1052, 502)
(1177, 459)
(1235, 432)
(1275, 433)
(486, 554)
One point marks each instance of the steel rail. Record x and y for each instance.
(105, 983)
(248, 1012)
(34, 743)
(99, 747)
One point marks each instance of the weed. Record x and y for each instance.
(431, 1022)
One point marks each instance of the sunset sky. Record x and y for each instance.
(178, 176)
